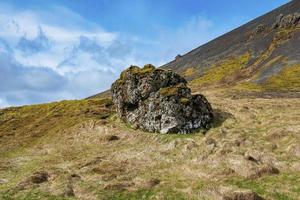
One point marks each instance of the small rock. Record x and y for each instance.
(178, 57)
(39, 177)
(112, 138)
(74, 177)
(152, 182)
(211, 141)
(265, 170)
(244, 109)
(254, 156)
(3, 181)
(36, 178)
(260, 29)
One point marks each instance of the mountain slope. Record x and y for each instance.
(263, 54)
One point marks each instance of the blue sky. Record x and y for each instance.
(52, 50)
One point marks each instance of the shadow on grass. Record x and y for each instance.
(220, 117)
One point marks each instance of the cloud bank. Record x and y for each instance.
(46, 57)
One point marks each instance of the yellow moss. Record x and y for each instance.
(147, 69)
(222, 70)
(184, 100)
(169, 91)
(287, 79)
(249, 86)
(189, 72)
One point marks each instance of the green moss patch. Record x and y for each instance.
(287, 80)
(169, 91)
(271, 187)
(28, 123)
(220, 71)
(184, 100)
(189, 72)
(135, 70)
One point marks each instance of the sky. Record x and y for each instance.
(53, 50)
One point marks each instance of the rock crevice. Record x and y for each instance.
(157, 100)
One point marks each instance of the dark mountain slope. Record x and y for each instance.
(264, 53)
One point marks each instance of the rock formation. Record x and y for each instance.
(157, 100)
(288, 21)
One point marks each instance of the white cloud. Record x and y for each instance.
(33, 46)
(46, 58)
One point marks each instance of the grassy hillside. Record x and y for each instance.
(80, 150)
(87, 153)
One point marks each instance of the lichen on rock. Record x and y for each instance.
(157, 100)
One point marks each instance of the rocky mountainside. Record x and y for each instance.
(263, 54)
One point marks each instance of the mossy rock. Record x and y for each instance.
(135, 70)
(171, 91)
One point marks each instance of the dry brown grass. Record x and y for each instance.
(183, 166)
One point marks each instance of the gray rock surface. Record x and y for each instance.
(157, 100)
(287, 21)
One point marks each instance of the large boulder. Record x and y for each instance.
(157, 100)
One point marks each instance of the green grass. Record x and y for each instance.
(32, 195)
(29, 123)
(29, 130)
(142, 194)
(272, 187)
